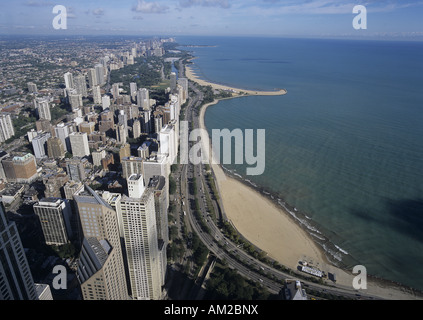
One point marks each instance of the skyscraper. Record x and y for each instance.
(183, 82)
(20, 169)
(55, 148)
(156, 165)
(107, 122)
(158, 123)
(99, 70)
(138, 219)
(79, 144)
(39, 145)
(96, 94)
(6, 127)
(16, 282)
(101, 269)
(55, 219)
(173, 82)
(121, 134)
(43, 108)
(143, 99)
(80, 83)
(144, 150)
(161, 204)
(75, 99)
(168, 143)
(92, 78)
(105, 102)
(147, 127)
(98, 156)
(75, 169)
(136, 129)
(131, 165)
(115, 90)
(133, 90)
(62, 132)
(69, 80)
(123, 119)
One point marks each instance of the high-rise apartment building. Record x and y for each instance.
(121, 133)
(16, 282)
(161, 204)
(115, 90)
(183, 82)
(168, 142)
(123, 119)
(105, 102)
(39, 145)
(43, 108)
(107, 122)
(55, 148)
(20, 169)
(136, 129)
(69, 80)
(147, 123)
(173, 81)
(55, 219)
(75, 99)
(3, 155)
(87, 127)
(75, 169)
(156, 165)
(99, 69)
(143, 99)
(6, 127)
(138, 219)
(79, 144)
(98, 156)
(80, 82)
(97, 94)
(133, 90)
(92, 78)
(158, 122)
(62, 131)
(131, 165)
(144, 150)
(101, 271)
(72, 187)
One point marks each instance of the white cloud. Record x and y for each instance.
(205, 3)
(98, 12)
(150, 7)
(327, 6)
(32, 3)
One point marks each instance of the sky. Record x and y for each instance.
(385, 19)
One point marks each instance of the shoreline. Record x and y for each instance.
(237, 91)
(272, 228)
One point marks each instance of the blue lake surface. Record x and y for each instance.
(344, 146)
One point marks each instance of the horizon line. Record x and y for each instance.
(323, 37)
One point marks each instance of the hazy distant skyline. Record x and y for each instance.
(304, 18)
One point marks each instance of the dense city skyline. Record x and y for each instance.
(387, 19)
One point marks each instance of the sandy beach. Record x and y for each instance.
(236, 91)
(271, 229)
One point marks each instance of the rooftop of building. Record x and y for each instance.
(12, 189)
(50, 202)
(135, 177)
(88, 195)
(157, 182)
(100, 248)
(294, 291)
